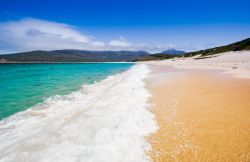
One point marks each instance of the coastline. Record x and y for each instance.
(65, 62)
(202, 113)
(168, 110)
(100, 121)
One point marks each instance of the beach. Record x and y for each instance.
(182, 109)
(202, 108)
(104, 112)
(124, 81)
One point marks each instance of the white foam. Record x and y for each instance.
(106, 121)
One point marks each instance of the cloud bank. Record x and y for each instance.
(35, 34)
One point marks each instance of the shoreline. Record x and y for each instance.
(65, 62)
(202, 113)
(97, 120)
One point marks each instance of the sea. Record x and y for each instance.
(83, 112)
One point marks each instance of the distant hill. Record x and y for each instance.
(112, 56)
(237, 46)
(173, 52)
(73, 56)
(168, 54)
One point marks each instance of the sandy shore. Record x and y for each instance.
(235, 63)
(202, 114)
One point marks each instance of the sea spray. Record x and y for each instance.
(104, 121)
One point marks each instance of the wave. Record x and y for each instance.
(104, 121)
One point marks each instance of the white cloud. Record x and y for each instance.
(121, 42)
(34, 34)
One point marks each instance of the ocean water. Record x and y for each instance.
(25, 85)
(74, 113)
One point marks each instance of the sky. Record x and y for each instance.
(154, 26)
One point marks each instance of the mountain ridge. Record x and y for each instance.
(173, 52)
(236, 46)
(69, 55)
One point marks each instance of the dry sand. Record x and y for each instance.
(236, 63)
(203, 115)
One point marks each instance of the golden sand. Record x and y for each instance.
(203, 116)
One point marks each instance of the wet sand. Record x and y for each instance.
(203, 115)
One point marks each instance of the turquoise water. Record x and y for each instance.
(25, 85)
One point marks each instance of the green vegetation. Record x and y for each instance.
(113, 56)
(238, 46)
(73, 56)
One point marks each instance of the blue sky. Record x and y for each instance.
(121, 24)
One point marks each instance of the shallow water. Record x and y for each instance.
(104, 121)
(25, 85)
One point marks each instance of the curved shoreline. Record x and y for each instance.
(100, 122)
